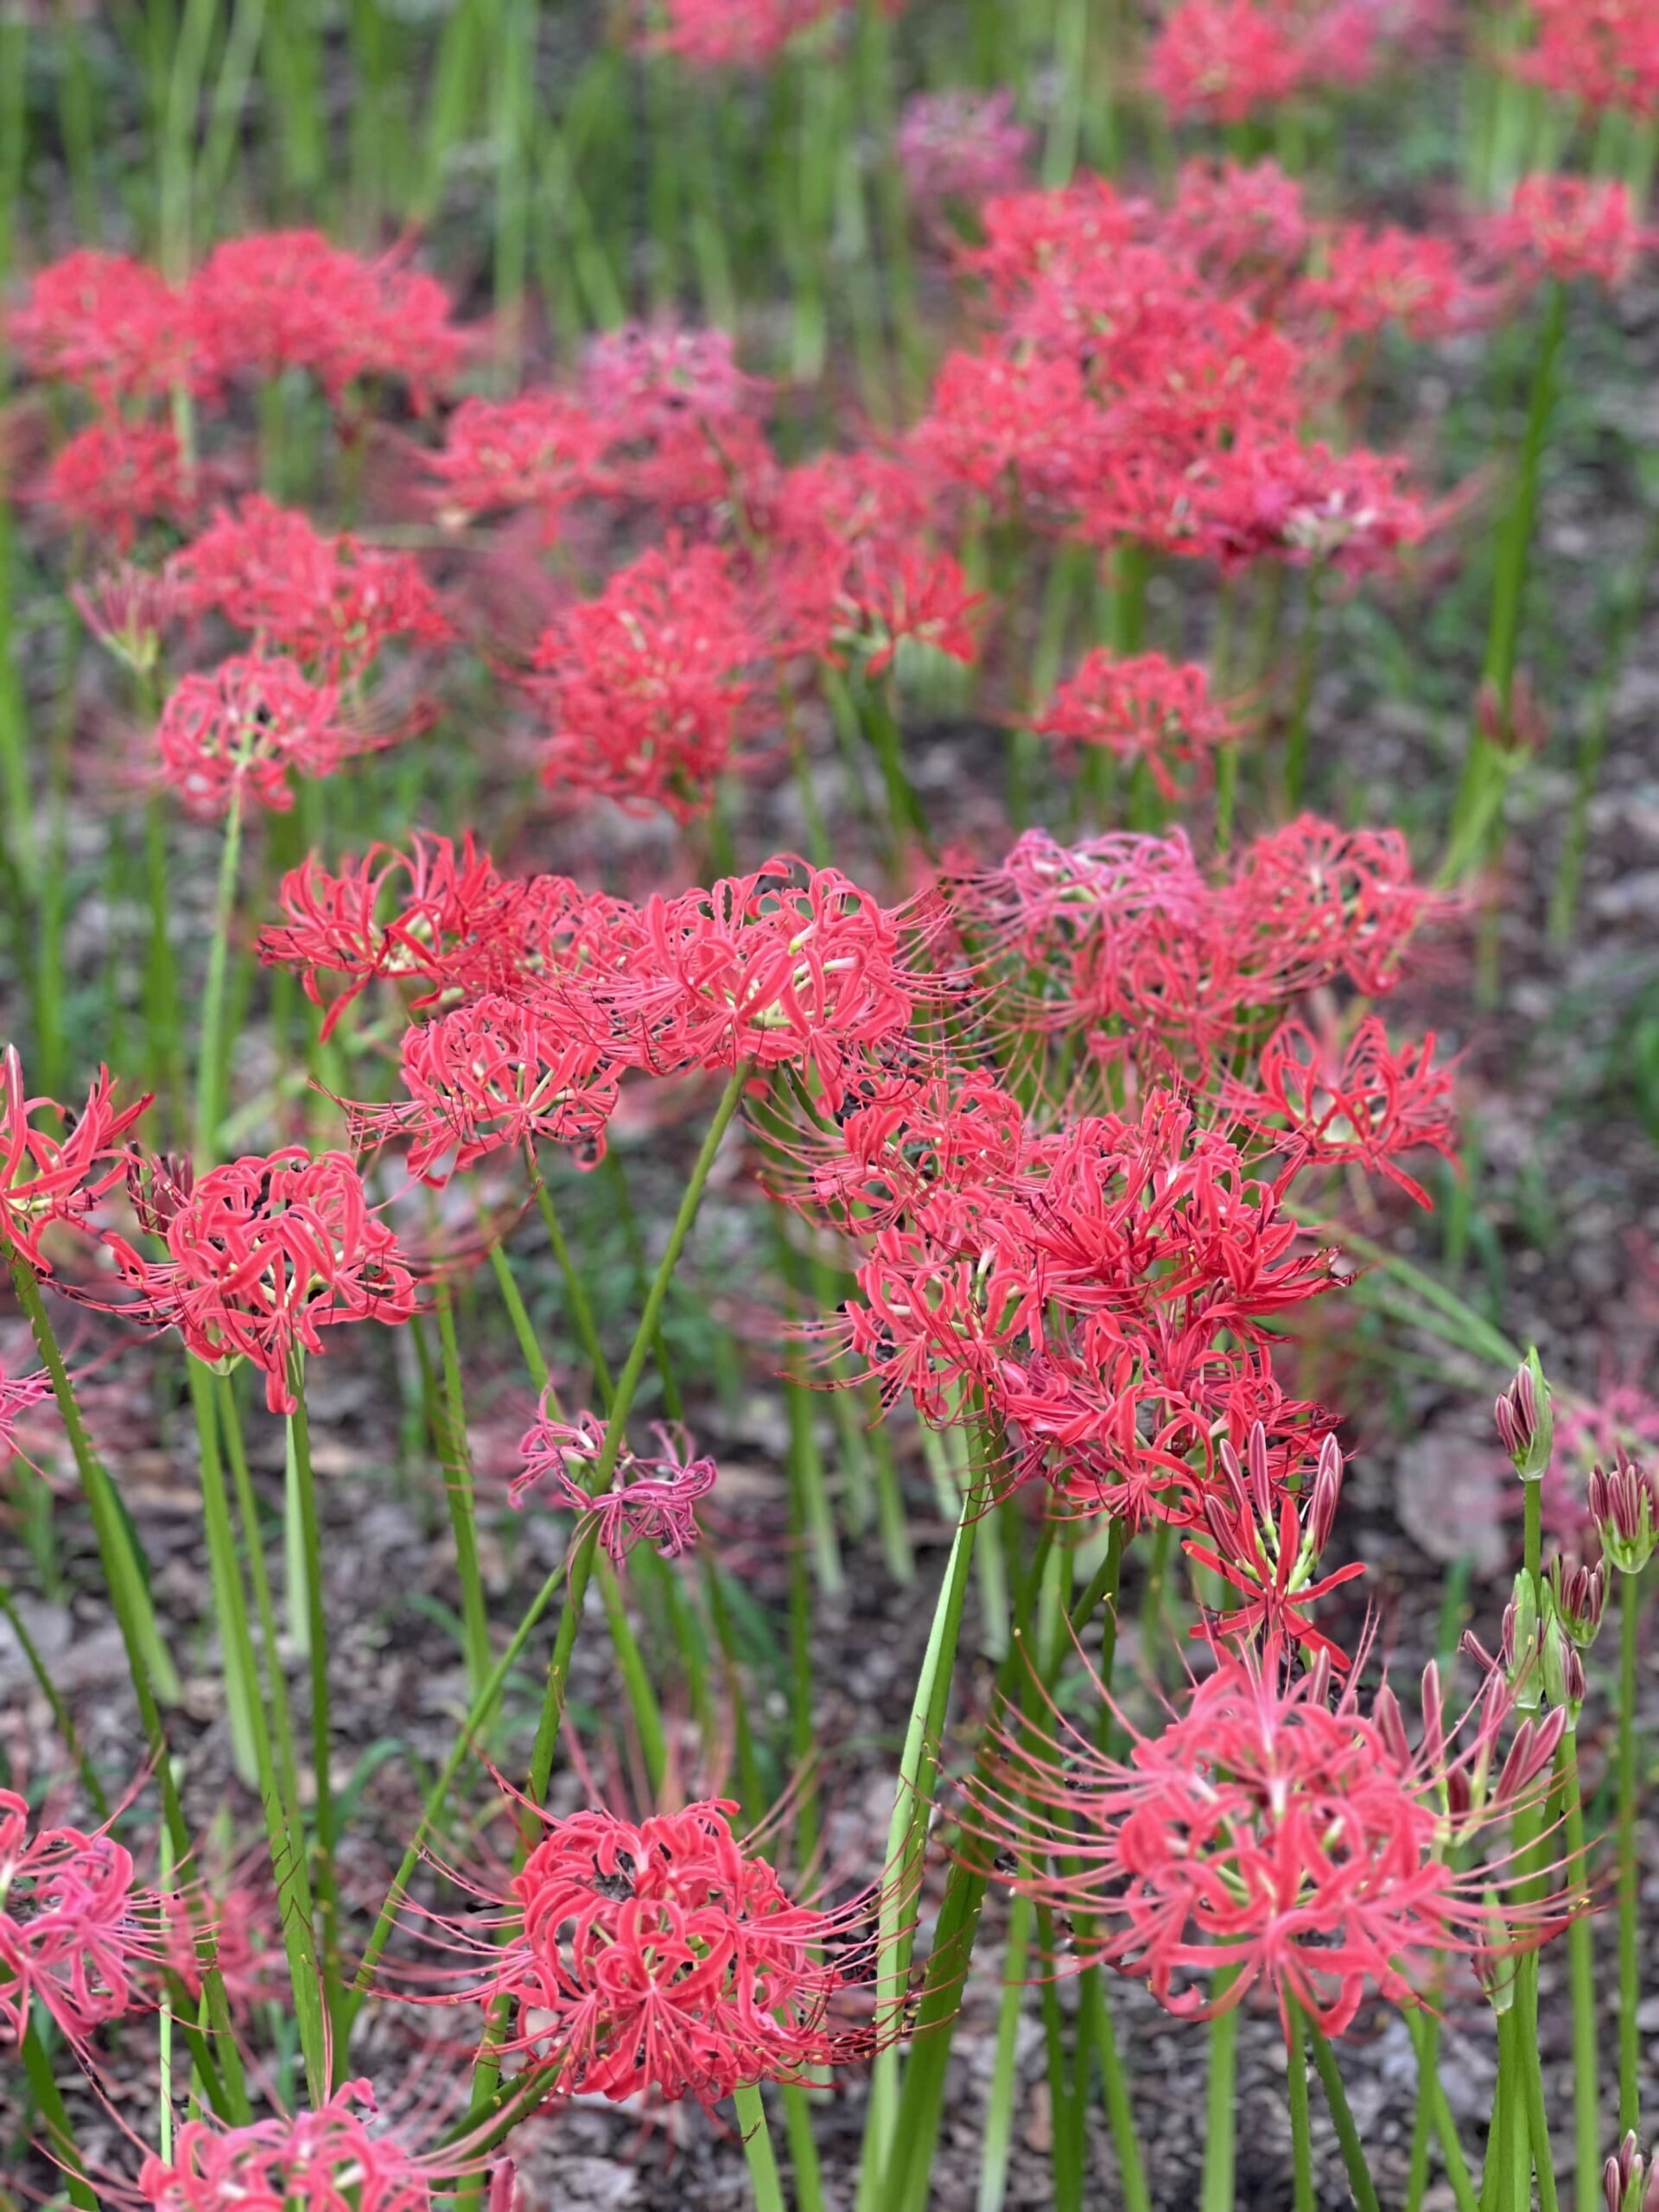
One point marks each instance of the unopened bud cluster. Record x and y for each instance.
(1629, 2181)
(1624, 1505)
(1525, 1427)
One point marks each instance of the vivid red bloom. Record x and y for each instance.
(1604, 53)
(539, 449)
(489, 1074)
(1292, 1839)
(1335, 899)
(840, 524)
(1267, 1546)
(644, 686)
(660, 1957)
(961, 145)
(679, 416)
(234, 733)
(1374, 277)
(1019, 425)
(109, 323)
(1224, 59)
(76, 1931)
(925, 599)
(727, 34)
(1570, 228)
(279, 300)
(1372, 1104)
(1246, 226)
(263, 1256)
(1144, 707)
(112, 476)
(651, 1499)
(45, 1179)
(441, 915)
(332, 601)
(323, 2161)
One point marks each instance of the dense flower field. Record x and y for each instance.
(712, 617)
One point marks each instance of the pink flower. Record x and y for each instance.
(961, 145)
(651, 1500)
(1144, 707)
(236, 732)
(109, 323)
(113, 476)
(76, 1931)
(323, 2161)
(45, 1179)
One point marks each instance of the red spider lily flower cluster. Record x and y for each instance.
(1603, 53)
(661, 1955)
(1273, 1831)
(651, 1499)
(728, 33)
(1569, 229)
(1144, 707)
(961, 146)
(45, 1178)
(1221, 59)
(114, 474)
(1367, 1107)
(236, 734)
(541, 449)
(77, 1931)
(1268, 1549)
(330, 2160)
(263, 1256)
(644, 687)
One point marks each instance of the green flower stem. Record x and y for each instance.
(455, 1454)
(803, 2146)
(764, 2176)
(282, 1719)
(581, 1311)
(906, 1839)
(1436, 2113)
(299, 1438)
(1629, 1605)
(636, 1679)
(61, 2134)
(1301, 2138)
(1537, 2119)
(584, 1546)
(225, 1579)
(210, 1070)
(62, 1718)
(1581, 1984)
(1353, 2151)
(997, 2140)
(517, 1313)
(1220, 2117)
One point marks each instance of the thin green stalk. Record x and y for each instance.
(63, 1719)
(636, 1679)
(803, 2147)
(1424, 2029)
(225, 1579)
(1066, 2138)
(1353, 2151)
(581, 1311)
(1220, 2115)
(522, 1328)
(282, 1719)
(210, 1071)
(582, 1550)
(1538, 2122)
(1581, 1985)
(1301, 2136)
(61, 2134)
(299, 1435)
(764, 2176)
(997, 2141)
(1630, 2047)
(456, 1455)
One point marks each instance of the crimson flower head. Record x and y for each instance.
(1268, 1548)
(1374, 277)
(644, 687)
(76, 1931)
(278, 299)
(961, 145)
(727, 34)
(45, 1178)
(329, 2160)
(113, 476)
(663, 1957)
(651, 1499)
(539, 449)
(1372, 1104)
(1269, 1830)
(492, 1073)
(235, 733)
(1603, 53)
(263, 1256)
(646, 378)
(1570, 228)
(332, 601)
(1221, 59)
(109, 323)
(1144, 707)
(1331, 901)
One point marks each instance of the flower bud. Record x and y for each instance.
(1623, 2176)
(1327, 1490)
(1525, 1427)
(1520, 1645)
(1559, 1666)
(1576, 1595)
(1385, 1711)
(1624, 1505)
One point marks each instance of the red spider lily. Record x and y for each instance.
(1340, 899)
(923, 599)
(1371, 278)
(644, 687)
(278, 299)
(651, 1499)
(20, 1395)
(113, 476)
(1145, 708)
(1286, 500)
(1603, 53)
(1268, 1549)
(789, 966)
(45, 1179)
(1224, 59)
(489, 1074)
(540, 449)
(1624, 1505)
(660, 1957)
(1269, 1831)
(76, 1931)
(324, 2161)
(1570, 228)
(727, 34)
(332, 601)
(263, 1256)
(840, 523)
(109, 323)
(454, 924)
(1373, 1104)
(236, 732)
(242, 1946)
(961, 145)
(679, 414)
(1021, 427)
(1245, 225)
(128, 609)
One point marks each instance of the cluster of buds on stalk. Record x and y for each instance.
(1569, 1621)
(1525, 1427)
(1624, 1505)
(1630, 2182)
